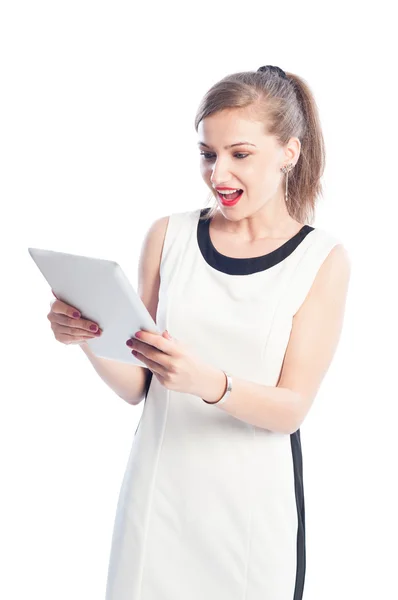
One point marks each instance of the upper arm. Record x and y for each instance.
(316, 332)
(149, 278)
(149, 265)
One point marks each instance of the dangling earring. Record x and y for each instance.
(286, 170)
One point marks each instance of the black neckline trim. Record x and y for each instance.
(244, 266)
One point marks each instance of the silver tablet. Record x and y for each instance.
(100, 290)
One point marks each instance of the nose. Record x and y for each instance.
(220, 173)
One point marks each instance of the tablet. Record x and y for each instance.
(100, 290)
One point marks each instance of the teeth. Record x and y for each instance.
(225, 192)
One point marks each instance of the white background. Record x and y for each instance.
(97, 140)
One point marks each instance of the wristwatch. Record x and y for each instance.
(226, 393)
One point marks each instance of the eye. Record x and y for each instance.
(209, 155)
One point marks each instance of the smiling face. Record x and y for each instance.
(253, 167)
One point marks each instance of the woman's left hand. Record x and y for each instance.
(172, 363)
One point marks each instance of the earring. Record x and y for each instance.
(285, 169)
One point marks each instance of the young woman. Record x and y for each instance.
(252, 297)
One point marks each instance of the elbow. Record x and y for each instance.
(133, 401)
(294, 417)
(294, 428)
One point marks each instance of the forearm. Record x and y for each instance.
(127, 381)
(268, 407)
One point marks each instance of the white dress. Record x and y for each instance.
(211, 507)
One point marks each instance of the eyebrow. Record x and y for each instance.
(230, 146)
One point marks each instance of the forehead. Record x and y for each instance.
(230, 126)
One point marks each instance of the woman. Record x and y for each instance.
(253, 296)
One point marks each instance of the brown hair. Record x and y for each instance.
(288, 109)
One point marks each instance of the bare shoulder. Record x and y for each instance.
(316, 331)
(157, 231)
(153, 241)
(338, 262)
(332, 277)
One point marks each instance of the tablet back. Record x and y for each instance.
(100, 290)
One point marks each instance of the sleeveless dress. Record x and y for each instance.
(211, 507)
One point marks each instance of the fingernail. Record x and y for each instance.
(76, 315)
(129, 343)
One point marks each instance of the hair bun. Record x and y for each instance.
(272, 69)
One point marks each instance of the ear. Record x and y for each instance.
(293, 150)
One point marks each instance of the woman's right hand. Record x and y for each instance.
(68, 329)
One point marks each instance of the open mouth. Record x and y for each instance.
(230, 199)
